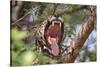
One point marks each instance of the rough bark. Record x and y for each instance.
(85, 30)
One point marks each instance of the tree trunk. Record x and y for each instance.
(85, 30)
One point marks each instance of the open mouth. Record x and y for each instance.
(54, 32)
(52, 35)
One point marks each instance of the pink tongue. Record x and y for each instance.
(54, 46)
(55, 50)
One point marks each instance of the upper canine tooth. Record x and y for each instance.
(60, 25)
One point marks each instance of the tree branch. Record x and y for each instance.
(54, 10)
(77, 43)
(72, 11)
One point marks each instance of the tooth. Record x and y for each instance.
(60, 25)
(52, 23)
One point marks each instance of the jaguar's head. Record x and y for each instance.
(53, 35)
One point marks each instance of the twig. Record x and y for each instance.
(55, 7)
(72, 11)
(20, 19)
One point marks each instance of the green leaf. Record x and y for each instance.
(26, 58)
(18, 35)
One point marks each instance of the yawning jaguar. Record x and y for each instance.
(53, 35)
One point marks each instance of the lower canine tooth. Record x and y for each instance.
(52, 23)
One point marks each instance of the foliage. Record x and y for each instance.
(23, 53)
